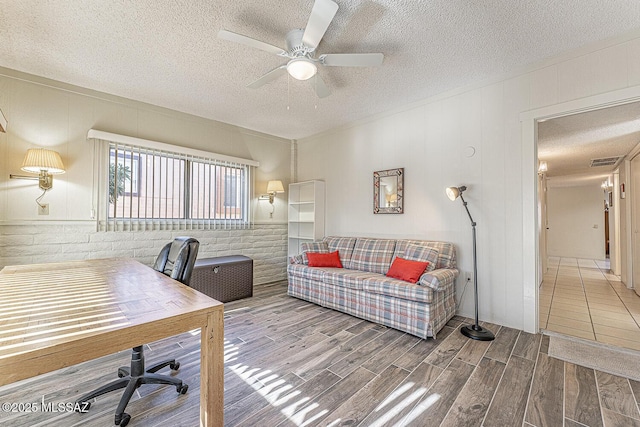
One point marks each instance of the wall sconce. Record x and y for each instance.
(542, 167)
(45, 163)
(273, 187)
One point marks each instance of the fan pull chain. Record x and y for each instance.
(288, 96)
(316, 98)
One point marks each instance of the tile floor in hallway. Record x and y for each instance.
(581, 298)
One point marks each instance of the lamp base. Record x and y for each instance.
(477, 333)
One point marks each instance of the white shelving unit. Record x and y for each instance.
(306, 213)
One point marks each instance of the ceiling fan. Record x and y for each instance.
(300, 50)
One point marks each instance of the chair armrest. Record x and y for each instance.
(439, 279)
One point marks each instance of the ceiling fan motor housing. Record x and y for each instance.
(295, 47)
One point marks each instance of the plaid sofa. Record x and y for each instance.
(362, 289)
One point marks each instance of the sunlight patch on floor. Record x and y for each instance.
(276, 391)
(420, 408)
(303, 411)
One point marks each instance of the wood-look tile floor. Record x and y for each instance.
(292, 363)
(581, 298)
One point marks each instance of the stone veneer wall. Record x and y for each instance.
(75, 240)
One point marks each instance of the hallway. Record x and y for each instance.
(581, 298)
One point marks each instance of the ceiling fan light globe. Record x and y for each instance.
(301, 68)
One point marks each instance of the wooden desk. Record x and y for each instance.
(60, 314)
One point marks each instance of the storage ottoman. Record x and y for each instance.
(225, 278)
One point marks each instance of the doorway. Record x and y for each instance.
(579, 294)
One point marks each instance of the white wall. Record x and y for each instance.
(576, 222)
(43, 113)
(429, 140)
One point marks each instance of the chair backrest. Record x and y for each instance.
(177, 258)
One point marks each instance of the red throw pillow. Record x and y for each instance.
(409, 271)
(332, 259)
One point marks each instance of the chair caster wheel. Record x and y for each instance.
(124, 419)
(122, 373)
(82, 406)
(182, 389)
(174, 366)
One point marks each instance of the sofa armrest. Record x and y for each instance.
(439, 279)
(296, 259)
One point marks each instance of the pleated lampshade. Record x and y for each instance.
(38, 159)
(275, 187)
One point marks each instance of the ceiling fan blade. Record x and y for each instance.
(352, 59)
(269, 77)
(248, 41)
(321, 16)
(319, 86)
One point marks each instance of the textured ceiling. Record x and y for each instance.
(568, 144)
(166, 52)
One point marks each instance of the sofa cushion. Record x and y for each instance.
(407, 270)
(446, 251)
(331, 259)
(347, 278)
(372, 255)
(413, 252)
(383, 285)
(317, 247)
(344, 245)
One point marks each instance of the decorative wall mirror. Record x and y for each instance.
(388, 191)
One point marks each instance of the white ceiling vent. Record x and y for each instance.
(605, 161)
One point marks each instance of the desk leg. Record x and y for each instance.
(212, 371)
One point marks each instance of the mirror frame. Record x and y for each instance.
(399, 175)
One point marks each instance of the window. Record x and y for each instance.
(217, 191)
(149, 184)
(154, 191)
(128, 170)
(231, 190)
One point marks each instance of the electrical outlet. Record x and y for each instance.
(44, 209)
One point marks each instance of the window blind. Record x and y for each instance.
(153, 189)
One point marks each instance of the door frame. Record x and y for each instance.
(633, 200)
(530, 228)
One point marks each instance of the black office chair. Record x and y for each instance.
(175, 260)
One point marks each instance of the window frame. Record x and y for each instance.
(192, 217)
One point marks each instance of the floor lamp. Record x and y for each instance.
(474, 331)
